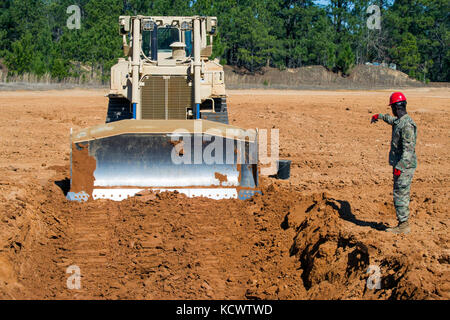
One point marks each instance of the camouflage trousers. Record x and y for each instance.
(402, 189)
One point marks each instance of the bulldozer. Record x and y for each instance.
(167, 126)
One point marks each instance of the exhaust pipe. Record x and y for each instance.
(154, 42)
(197, 67)
(135, 99)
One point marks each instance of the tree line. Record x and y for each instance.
(252, 34)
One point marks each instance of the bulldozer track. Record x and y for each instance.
(118, 109)
(187, 255)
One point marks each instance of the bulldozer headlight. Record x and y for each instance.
(211, 25)
(124, 24)
(147, 25)
(186, 26)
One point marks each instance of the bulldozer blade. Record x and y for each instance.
(194, 157)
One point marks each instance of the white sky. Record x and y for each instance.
(322, 2)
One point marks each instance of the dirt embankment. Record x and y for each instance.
(315, 236)
(310, 77)
(316, 77)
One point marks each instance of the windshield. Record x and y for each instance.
(188, 38)
(167, 36)
(146, 38)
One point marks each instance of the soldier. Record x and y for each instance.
(402, 157)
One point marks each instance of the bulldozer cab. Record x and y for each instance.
(165, 37)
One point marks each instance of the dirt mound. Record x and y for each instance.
(333, 257)
(380, 77)
(333, 261)
(34, 228)
(361, 77)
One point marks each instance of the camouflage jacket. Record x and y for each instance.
(404, 134)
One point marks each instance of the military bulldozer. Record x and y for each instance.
(167, 125)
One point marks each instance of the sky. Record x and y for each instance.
(322, 2)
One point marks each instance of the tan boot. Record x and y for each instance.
(403, 227)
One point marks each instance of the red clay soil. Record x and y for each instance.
(312, 237)
(84, 165)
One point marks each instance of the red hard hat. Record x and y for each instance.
(397, 97)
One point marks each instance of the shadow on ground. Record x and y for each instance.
(345, 212)
(64, 185)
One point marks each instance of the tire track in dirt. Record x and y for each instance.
(91, 251)
(170, 248)
(185, 253)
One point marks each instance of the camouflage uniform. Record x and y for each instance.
(402, 156)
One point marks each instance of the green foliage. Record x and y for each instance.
(21, 56)
(252, 34)
(406, 54)
(254, 40)
(345, 59)
(59, 70)
(418, 37)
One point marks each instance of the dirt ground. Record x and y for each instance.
(312, 237)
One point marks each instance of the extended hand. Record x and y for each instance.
(397, 172)
(374, 118)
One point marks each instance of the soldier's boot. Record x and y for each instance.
(403, 227)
